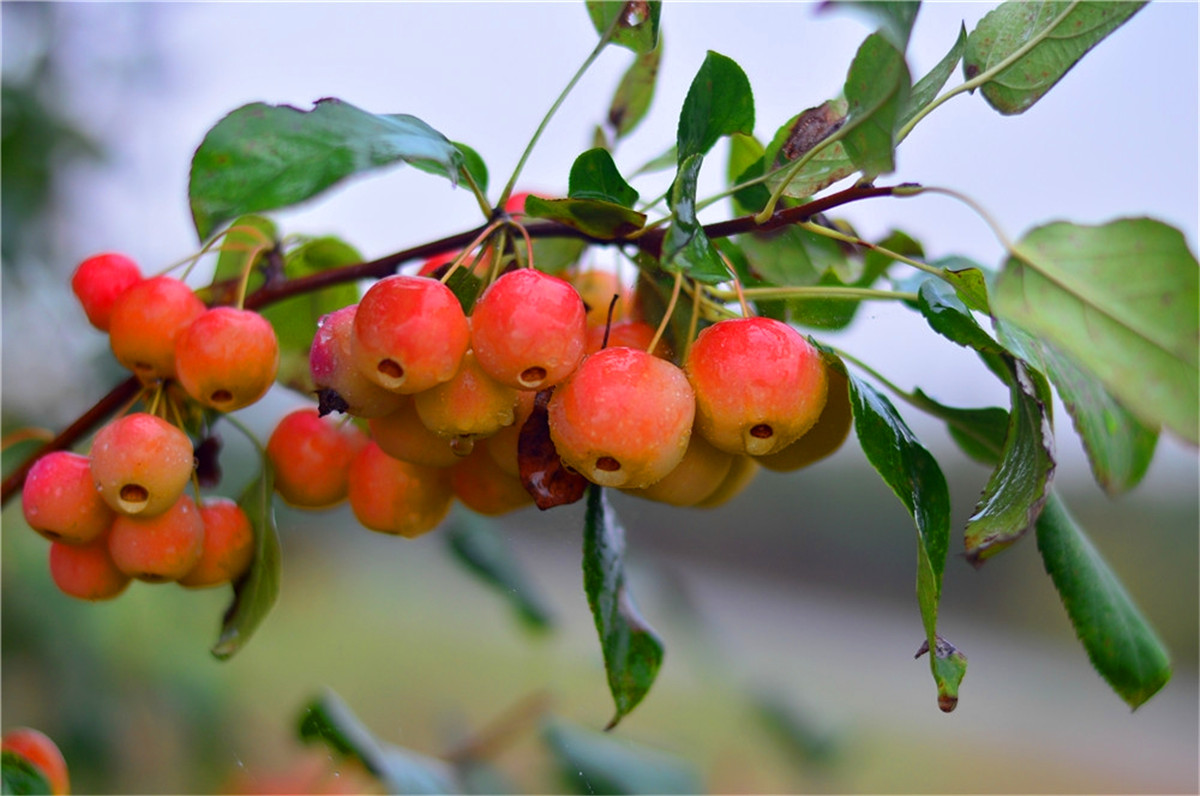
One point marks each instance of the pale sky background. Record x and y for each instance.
(1118, 136)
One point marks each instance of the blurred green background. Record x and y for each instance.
(795, 599)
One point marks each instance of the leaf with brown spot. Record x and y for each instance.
(811, 127)
(543, 474)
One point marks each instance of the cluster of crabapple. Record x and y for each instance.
(122, 511)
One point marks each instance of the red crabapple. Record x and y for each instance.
(410, 333)
(86, 571)
(42, 753)
(141, 463)
(529, 329)
(759, 384)
(597, 288)
(161, 548)
(146, 320)
(99, 280)
(228, 544)
(741, 472)
(701, 471)
(502, 446)
(60, 500)
(826, 435)
(483, 487)
(397, 497)
(227, 358)
(628, 333)
(623, 418)
(402, 435)
(311, 457)
(472, 404)
(332, 368)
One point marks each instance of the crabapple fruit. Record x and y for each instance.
(482, 486)
(826, 435)
(598, 288)
(701, 471)
(227, 358)
(60, 501)
(228, 544)
(99, 280)
(160, 548)
(502, 446)
(141, 463)
(628, 333)
(332, 368)
(759, 384)
(311, 456)
(42, 753)
(146, 320)
(402, 435)
(741, 472)
(623, 418)
(397, 497)
(86, 571)
(472, 404)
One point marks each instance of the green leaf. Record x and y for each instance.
(264, 157)
(979, 432)
(636, 22)
(1119, 448)
(483, 552)
(593, 762)
(685, 247)
(634, 93)
(914, 476)
(949, 668)
(249, 235)
(969, 280)
(894, 18)
(328, 720)
(632, 650)
(950, 317)
(925, 90)
(719, 102)
(595, 176)
(1047, 39)
(843, 271)
(877, 88)
(21, 777)
(1017, 488)
(599, 219)
(255, 593)
(473, 164)
(804, 132)
(1122, 646)
(1121, 300)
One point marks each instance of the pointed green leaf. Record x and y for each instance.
(600, 219)
(895, 19)
(632, 650)
(473, 164)
(925, 90)
(685, 247)
(1119, 448)
(255, 593)
(950, 317)
(979, 432)
(969, 280)
(482, 551)
(595, 176)
(877, 88)
(1042, 40)
(1119, 641)
(1120, 300)
(718, 103)
(636, 22)
(595, 762)
(264, 157)
(634, 93)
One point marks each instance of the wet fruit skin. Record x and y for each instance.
(145, 322)
(623, 419)
(402, 435)
(311, 457)
(332, 367)
(699, 474)
(628, 333)
(529, 329)
(472, 404)
(86, 571)
(395, 497)
(759, 384)
(502, 446)
(99, 280)
(141, 464)
(161, 548)
(410, 333)
(228, 544)
(60, 500)
(37, 747)
(227, 358)
(825, 437)
(482, 486)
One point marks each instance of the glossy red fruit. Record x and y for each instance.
(623, 419)
(396, 497)
(697, 476)
(86, 571)
(161, 548)
(60, 501)
(402, 435)
(628, 333)
(140, 463)
(311, 456)
(470, 405)
(825, 437)
(529, 329)
(410, 333)
(759, 384)
(99, 280)
(227, 358)
(598, 289)
(146, 320)
(37, 747)
(484, 488)
(228, 544)
(502, 446)
(332, 368)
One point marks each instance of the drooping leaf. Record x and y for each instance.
(895, 19)
(877, 88)
(1119, 448)
(636, 22)
(328, 720)
(264, 157)
(1047, 39)
(474, 165)
(979, 432)
(595, 176)
(949, 667)
(1120, 299)
(542, 472)
(634, 93)
(719, 102)
(600, 219)
(685, 247)
(592, 762)
(925, 90)
(1120, 643)
(20, 777)
(914, 476)
(255, 593)
(949, 316)
(632, 650)
(482, 551)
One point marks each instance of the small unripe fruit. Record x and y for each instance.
(623, 419)
(332, 368)
(227, 358)
(311, 458)
(402, 435)
(827, 434)
(60, 501)
(598, 288)
(99, 280)
(228, 544)
(141, 464)
(86, 571)
(759, 384)
(396, 497)
(502, 446)
(631, 334)
(472, 404)
(145, 322)
(42, 753)
(701, 471)
(158, 549)
(529, 329)
(741, 472)
(485, 488)
(410, 333)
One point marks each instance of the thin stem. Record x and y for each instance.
(244, 279)
(982, 212)
(819, 291)
(793, 170)
(462, 256)
(666, 319)
(902, 394)
(693, 322)
(833, 234)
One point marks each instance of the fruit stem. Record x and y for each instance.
(693, 324)
(662, 325)
(833, 234)
(470, 247)
(816, 291)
